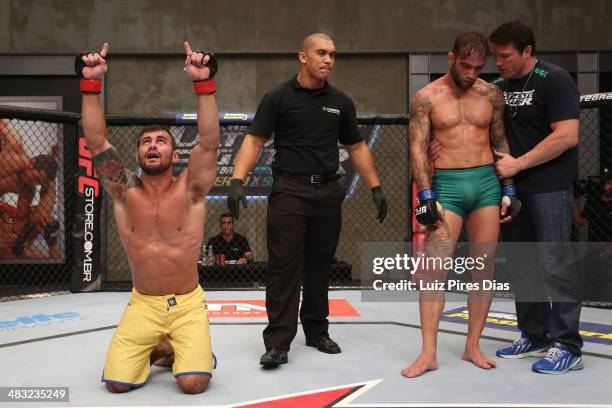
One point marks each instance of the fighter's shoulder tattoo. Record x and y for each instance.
(111, 171)
(421, 104)
(490, 91)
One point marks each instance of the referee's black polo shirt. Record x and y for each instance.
(307, 125)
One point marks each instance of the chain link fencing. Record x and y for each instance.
(37, 184)
(387, 137)
(37, 205)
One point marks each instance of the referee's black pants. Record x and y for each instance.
(303, 227)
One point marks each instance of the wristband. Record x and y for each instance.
(207, 87)
(90, 86)
(509, 190)
(427, 194)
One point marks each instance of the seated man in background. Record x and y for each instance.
(233, 246)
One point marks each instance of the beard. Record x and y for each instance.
(455, 76)
(154, 170)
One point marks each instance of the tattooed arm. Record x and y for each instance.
(115, 179)
(497, 131)
(419, 131)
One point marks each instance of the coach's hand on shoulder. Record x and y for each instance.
(510, 204)
(235, 196)
(381, 203)
(429, 211)
(199, 65)
(92, 64)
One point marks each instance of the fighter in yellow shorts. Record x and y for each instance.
(182, 318)
(160, 219)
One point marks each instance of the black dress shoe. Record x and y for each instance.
(273, 357)
(324, 343)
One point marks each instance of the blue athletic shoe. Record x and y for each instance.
(522, 348)
(558, 360)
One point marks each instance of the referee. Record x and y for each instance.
(308, 117)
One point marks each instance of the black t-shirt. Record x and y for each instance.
(532, 104)
(307, 125)
(233, 250)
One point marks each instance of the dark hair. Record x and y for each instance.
(470, 43)
(47, 164)
(155, 128)
(226, 215)
(514, 32)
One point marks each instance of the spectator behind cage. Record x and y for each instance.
(233, 246)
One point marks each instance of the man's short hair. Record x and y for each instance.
(470, 43)
(226, 215)
(47, 164)
(155, 128)
(514, 32)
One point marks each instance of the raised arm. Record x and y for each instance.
(419, 133)
(92, 67)
(201, 67)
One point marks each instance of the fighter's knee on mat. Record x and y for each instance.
(117, 388)
(193, 384)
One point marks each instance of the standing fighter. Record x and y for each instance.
(465, 115)
(308, 117)
(542, 113)
(160, 220)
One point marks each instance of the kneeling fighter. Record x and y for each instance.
(160, 219)
(465, 115)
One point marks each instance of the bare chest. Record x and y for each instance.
(169, 218)
(469, 110)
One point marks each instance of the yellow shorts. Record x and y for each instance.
(146, 318)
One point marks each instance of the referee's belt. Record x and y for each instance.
(310, 179)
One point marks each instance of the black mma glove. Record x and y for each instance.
(427, 211)
(235, 196)
(381, 203)
(211, 64)
(209, 85)
(511, 201)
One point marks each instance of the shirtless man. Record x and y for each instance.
(465, 114)
(13, 157)
(21, 175)
(161, 224)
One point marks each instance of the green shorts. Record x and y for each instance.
(465, 190)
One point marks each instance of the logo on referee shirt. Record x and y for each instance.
(331, 110)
